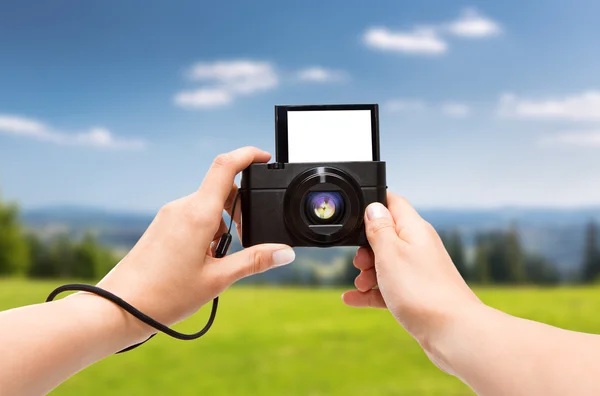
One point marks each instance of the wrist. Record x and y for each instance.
(121, 328)
(456, 333)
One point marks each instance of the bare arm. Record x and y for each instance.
(492, 352)
(44, 344)
(499, 354)
(169, 274)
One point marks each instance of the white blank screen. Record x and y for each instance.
(329, 136)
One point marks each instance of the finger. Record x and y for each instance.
(254, 260)
(237, 215)
(366, 280)
(217, 183)
(381, 231)
(364, 258)
(403, 213)
(213, 245)
(369, 299)
(237, 212)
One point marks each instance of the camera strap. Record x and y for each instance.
(220, 251)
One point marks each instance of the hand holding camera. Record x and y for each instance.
(408, 270)
(171, 271)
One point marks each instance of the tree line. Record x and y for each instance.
(23, 253)
(495, 257)
(499, 258)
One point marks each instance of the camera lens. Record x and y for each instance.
(324, 207)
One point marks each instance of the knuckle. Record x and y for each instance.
(168, 209)
(198, 216)
(429, 229)
(379, 227)
(222, 160)
(257, 264)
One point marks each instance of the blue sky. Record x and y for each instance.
(123, 104)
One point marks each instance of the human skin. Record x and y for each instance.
(408, 271)
(169, 275)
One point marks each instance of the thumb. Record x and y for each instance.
(381, 229)
(256, 259)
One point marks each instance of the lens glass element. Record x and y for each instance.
(324, 206)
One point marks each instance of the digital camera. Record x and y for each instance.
(303, 199)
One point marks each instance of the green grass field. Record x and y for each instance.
(269, 341)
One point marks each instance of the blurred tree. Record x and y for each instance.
(498, 258)
(313, 279)
(88, 258)
(504, 256)
(84, 259)
(349, 272)
(14, 252)
(541, 271)
(455, 247)
(294, 277)
(62, 257)
(481, 267)
(515, 256)
(107, 260)
(61, 254)
(42, 265)
(591, 254)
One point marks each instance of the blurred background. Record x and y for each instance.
(490, 125)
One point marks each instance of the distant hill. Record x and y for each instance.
(81, 217)
(120, 229)
(555, 233)
(503, 217)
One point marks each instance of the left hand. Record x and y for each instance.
(171, 272)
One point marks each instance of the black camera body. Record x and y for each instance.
(327, 170)
(309, 204)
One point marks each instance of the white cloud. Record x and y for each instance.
(321, 75)
(449, 109)
(204, 98)
(224, 81)
(579, 107)
(589, 139)
(95, 137)
(471, 24)
(430, 39)
(237, 76)
(418, 41)
(20, 125)
(405, 105)
(455, 110)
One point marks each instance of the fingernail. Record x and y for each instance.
(283, 257)
(377, 211)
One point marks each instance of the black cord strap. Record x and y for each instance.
(220, 251)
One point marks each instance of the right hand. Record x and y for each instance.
(415, 276)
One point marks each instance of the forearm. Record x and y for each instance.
(43, 345)
(498, 354)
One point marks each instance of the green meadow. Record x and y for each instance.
(282, 341)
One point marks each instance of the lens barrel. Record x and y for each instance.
(323, 205)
